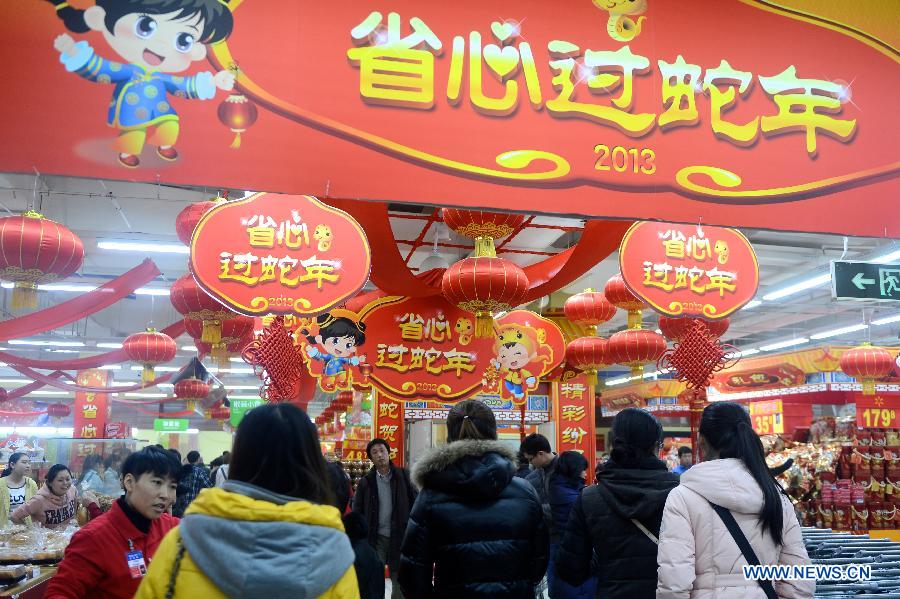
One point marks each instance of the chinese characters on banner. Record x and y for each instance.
(388, 424)
(90, 410)
(688, 270)
(275, 254)
(573, 412)
(767, 417)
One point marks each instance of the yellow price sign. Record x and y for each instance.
(877, 418)
(768, 424)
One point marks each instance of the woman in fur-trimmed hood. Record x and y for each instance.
(479, 529)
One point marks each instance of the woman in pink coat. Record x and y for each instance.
(698, 557)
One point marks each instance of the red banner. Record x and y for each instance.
(881, 410)
(90, 410)
(688, 270)
(675, 110)
(279, 254)
(573, 413)
(388, 424)
(756, 379)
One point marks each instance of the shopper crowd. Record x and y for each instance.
(473, 519)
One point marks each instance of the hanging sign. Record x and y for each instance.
(90, 410)
(239, 407)
(688, 270)
(573, 412)
(776, 376)
(767, 417)
(171, 425)
(881, 410)
(388, 423)
(276, 254)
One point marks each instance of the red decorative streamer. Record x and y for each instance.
(48, 380)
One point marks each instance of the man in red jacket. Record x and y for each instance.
(108, 558)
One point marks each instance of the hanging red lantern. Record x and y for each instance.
(482, 227)
(187, 219)
(636, 347)
(589, 309)
(484, 285)
(58, 410)
(234, 330)
(190, 300)
(237, 113)
(220, 413)
(588, 354)
(191, 391)
(621, 297)
(867, 363)
(36, 250)
(343, 400)
(676, 328)
(149, 348)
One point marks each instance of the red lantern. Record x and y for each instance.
(234, 330)
(218, 413)
(636, 347)
(676, 328)
(483, 227)
(58, 410)
(191, 391)
(190, 300)
(621, 297)
(36, 250)
(484, 285)
(589, 309)
(867, 363)
(187, 219)
(149, 348)
(588, 354)
(238, 114)
(343, 400)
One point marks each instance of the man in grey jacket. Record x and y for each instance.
(536, 449)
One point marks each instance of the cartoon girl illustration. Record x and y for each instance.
(154, 39)
(515, 347)
(334, 345)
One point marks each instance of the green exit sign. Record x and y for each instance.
(239, 407)
(171, 425)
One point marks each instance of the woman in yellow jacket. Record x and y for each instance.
(269, 532)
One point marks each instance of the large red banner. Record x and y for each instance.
(733, 112)
(388, 423)
(90, 410)
(573, 412)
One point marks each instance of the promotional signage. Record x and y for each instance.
(274, 254)
(767, 417)
(90, 410)
(639, 109)
(688, 270)
(388, 423)
(762, 377)
(170, 425)
(878, 411)
(239, 407)
(865, 281)
(573, 412)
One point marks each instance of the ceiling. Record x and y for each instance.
(104, 210)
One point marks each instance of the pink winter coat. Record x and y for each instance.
(698, 557)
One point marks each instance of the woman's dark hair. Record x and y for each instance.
(217, 18)
(276, 447)
(570, 465)
(54, 471)
(156, 461)
(338, 327)
(13, 460)
(471, 419)
(726, 427)
(356, 527)
(91, 462)
(636, 435)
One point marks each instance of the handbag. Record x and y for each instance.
(744, 545)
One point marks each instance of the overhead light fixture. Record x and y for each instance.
(151, 291)
(887, 320)
(213, 369)
(748, 352)
(840, 331)
(752, 304)
(193, 431)
(110, 367)
(889, 257)
(49, 393)
(618, 381)
(147, 247)
(188, 348)
(241, 387)
(147, 395)
(47, 343)
(7, 381)
(783, 344)
(798, 287)
(157, 368)
(110, 345)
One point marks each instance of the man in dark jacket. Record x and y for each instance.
(194, 478)
(369, 568)
(384, 497)
(536, 449)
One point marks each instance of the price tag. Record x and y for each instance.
(767, 417)
(878, 411)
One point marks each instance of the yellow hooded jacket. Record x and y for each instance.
(244, 541)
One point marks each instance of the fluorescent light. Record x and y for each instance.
(110, 345)
(157, 368)
(38, 431)
(658, 331)
(45, 343)
(748, 352)
(193, 431)
(752, 304)
(188, 348)
(147, 395)
(887, 320)
(238, 360)
(110, 367)
(15, 380)
(151, 291)
(618, 381)
(214, 369)
(840, 331)
(134, 433)
(49, 393)
(63, 351)
(783, 344)
(889, 257)
(121, 384)
(241, 387)
(798, 287)
(136, 246)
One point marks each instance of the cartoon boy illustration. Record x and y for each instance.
(154, 39)
(515, 349)
(334, 345)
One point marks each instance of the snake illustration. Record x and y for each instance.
(621, 26)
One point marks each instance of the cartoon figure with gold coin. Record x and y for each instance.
(516, 347)
(621, 26)
(331, 349)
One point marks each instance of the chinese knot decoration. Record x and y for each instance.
(36, 250)
(150, 348)
(589, 309)
(193, 302)
(277, 361)
(619, 295)
(676, 328)
(697, 356)
(867, 363)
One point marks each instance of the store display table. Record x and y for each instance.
(31, 588)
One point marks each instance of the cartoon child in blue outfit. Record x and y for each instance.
(154, 39)
(335, 345)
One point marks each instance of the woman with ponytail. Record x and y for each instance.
(612, 530)
(729, 498)
(475, 530)
(16, 488)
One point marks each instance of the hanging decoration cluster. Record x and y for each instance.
(484, 284)
(588, 354)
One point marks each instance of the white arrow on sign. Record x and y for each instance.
(860, 281)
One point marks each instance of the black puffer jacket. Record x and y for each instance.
(477, 527)
(600, 524)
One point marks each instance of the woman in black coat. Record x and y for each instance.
(475, 528)
(613, 529)
(369, 568)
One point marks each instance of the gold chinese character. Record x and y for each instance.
(673, 244)
(606, 72)
(238, 267)
(411, 327)
(680, 81)
(721, 281)
(392, 357)
(432, 355)
(699, 248)
(736, 82)
(89, 411)
(573, 413)
(573, 390)
(438, 329)
(657, 275)
(388, 410)
(395, 70)
(261, 231)
(320, 271)
(573, 435)
(803, 110)
(89, 431)
(388, 432)
(458, 361)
